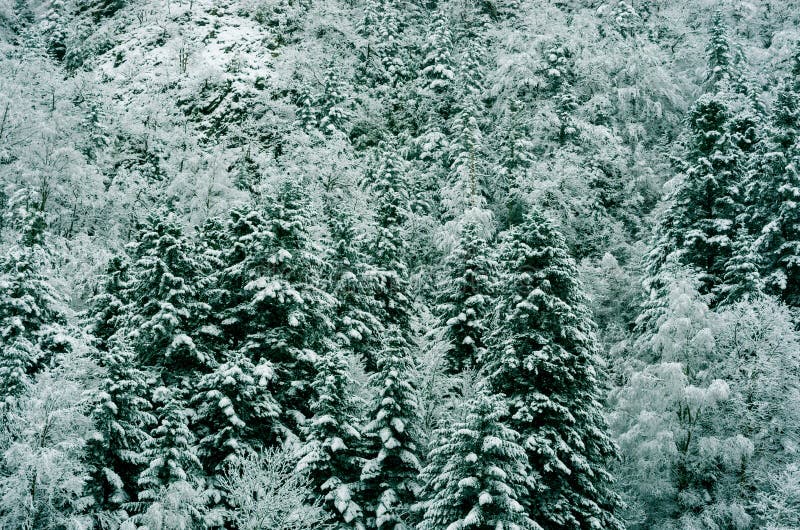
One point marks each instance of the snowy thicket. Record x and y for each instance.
(372, 264)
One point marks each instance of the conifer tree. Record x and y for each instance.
(438, 69)
(477, 478)
(169, 453)
(122, 419)
(163, 300)
(388, 484)
(276, 312)
(544, 357)
(741, 277)
(390, 193)
(699, 223)
(330, 452)
(468, 297)
(30, 309)
(352, 284)
(719, 55)
(330, 104)
(107, 312)
(235, 412)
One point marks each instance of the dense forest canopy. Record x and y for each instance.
(399, 264)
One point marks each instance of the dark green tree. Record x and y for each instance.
(544, 358)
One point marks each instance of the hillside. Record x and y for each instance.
(399, 264)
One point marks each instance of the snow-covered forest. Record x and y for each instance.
(399, 264)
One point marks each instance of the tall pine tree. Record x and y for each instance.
(544, 357)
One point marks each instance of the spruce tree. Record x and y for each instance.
(438, 69)
(30, 308)
(389, 248)
(169, 453)
(275, 311)
(332, 440)
(478, 477)
(467, 297)
(162, 296)
(351, 282)
(107, 311)
(699, 224)
(741, 277)
(235, 412)
(330, 103)
(122, 418)
(388, 484)
(719, 54)
(544, 357)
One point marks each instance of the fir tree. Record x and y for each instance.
(388, 484)
(741, 277)
(30, 309)
(467, 297)
(330, 452)
(390, 193)
(330, 104)
(478, 477)
(107, 312)
(351, 284)
(719, 55)
(544, 357)
(438, 69)
(236, 412)
(163, 300)
(169, 453)
(276, 312)
(122, 418)
(699, 222)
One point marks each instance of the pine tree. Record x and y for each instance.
(719, 55)
(163, 300)
(699, 224)
(479, 480)
(122, 418)
(331, 104)
(30, 308)
(169, 453)
(107, 311)
(544, 357)
(351, 283)
(741, 277)
(438, 69)
(388, 484)
(779, 242)
(467, 186)
(468, 297)
(306, 111)
(330, 452)
(389, 247)
(236, 412)
(275, 311)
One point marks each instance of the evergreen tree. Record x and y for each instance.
(236, 412)
(331, 103)
(107, 311)
(388, 484)
(169, 453)
(389, 248)
(468, 297)
(122, 418)
(30, 308)
(477, 478)
(719, 55)
(699, 224)
(438, 69)
(330, 452)
(741, 277)
(351, 284)
(544, 357)
(465, 158)
(163, 300)
(275, 311)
